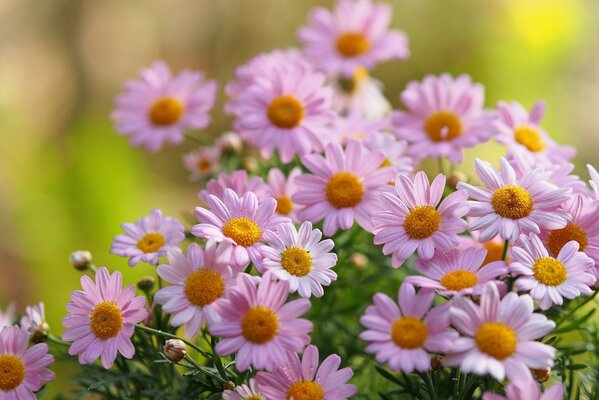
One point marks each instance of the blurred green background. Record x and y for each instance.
(67, 180)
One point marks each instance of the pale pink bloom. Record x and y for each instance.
(245, 392)
(344, 185)
(239, 182)
(102, 318)
(355, 127)
(282, 189)
(300, 379)
(416, 218)
(7, 317)
(511, 206)
(356, 34)
(594, 182)
(300, 257)
(199, 281)
(498, 336)
(528, 390)
(403, 334)
(444, 115)
(259, 325)
(396, 152)
(360, 95)
(158, 107)
(23, 370)
(202, 162)
(148, 238)
(34, 318)
(550, 279)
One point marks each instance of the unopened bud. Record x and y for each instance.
(359, 260)
(437, 362)
(229, 386)
(174, 349)
(40, 334)
(249, 163)
(456, 178)
(146, 283)
(541, 375)
(229, 142)
(81, 259)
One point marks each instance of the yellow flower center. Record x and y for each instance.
(458, 280)
(442, 126)
(409, 333)
(494, 252)
(385, 163)
(496, 339)
(529, 138)
(203, 286)
(351, 44)
(259, 325)
(350, 85)
(285, 112)
(151, 242)
(165, 111)
(284, 205)
(344, 189)
(511, 201)
(422, 222)
(243, 231)
(305, 390)
(549, 271)
(12, 372)
(106, 320)
(254, 397)
(204, 165)
(558, 238)
(296, 261)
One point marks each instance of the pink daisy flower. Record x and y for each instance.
(202, 162)
(306, 379)
(239, 182)
(200, 281)
(23, 371)
(102, 318)
(356, 34)
(259, 325)
(594, 182)
(300, 257)
(457, 272)
(416, 219)
(7, 317)
(158, 107)
(148, 238)
(344, 185)
(445, 115)
(498, 336)
(512, 206)
(289, 112)
(520, 131)
(550, 279)
(361, 95)
(245, 392)
(396, 152)
(239, 221)
(528, 391)
(403, 334)
(34, 319)
(283, 189)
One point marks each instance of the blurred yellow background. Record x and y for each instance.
(67, 180)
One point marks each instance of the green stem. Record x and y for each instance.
(441, 166)
(55, 340)
(573, 311)
(170, 336)
(504, 253)
(429, 385)
(216, 360)
(204, 370)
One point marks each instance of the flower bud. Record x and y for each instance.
(81, 259)
(541, 375)
(40, 333)
(359, 260)
(146, 283)
(456, 178)
(437, 362)
(229, 142)
(229, 386)
(174, 349)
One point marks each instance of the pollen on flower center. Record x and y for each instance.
(203, 286)
(165, 111)
(351, 44)
(284, 205)
(494, 252)
(296, 261)
(458, 280)
(243, 231)
(442, 126)
(496, 339)
(385, 163)
(106, 320)
(529, 138)
(204, 165)
(151, 242)
(409, 333)
(422, 222)
(305, 390)
(285, 112)
(549, 271)
(254, 397)
(259, 325)
(511, 201)
(558, 238)
(12, 372)
(344, 189)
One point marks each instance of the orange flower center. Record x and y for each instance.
(443, 126)
(203, 287)
(151, 242)
(513, 202)
(344, 189)
(259, 325)
(558, 238)
(106, 320)
(351, 44)
(459, 280)
(529, 138)
(496, 339)
(409, 333)
(12, 372)
(165, 111)
(422, 222)
(305, 390)
(285, 112)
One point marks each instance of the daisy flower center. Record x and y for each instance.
(284, 205)
(285, 112)
(259, 325)
(203, 286)
(529, 138)
(513, 202)
(165, 111)
(409, 333)
(305, 390)
(549, 271)
(422, 222)
(12, 372)
(254, 397)
(385, 163)
(204, 165)
(459, 280)
(296, 261)
(496, 339)
(351, 44)
(106, 320)
(151, 242)
(558, 238)
(344, 189)
(494, 252)
(243, 231)
(442, 126)
(350, 85)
